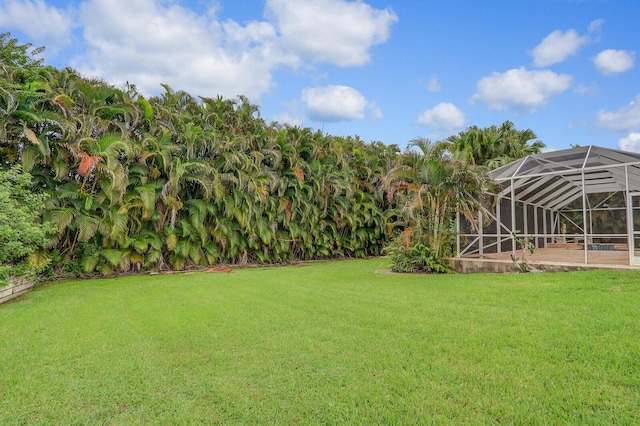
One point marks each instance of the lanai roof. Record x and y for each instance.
(555, 179)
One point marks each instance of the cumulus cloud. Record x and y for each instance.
(157, 43)
(333, 31)
(290, 119)
(612, 61)
(41, 22)
(165, 42)
(630, 142)
(443, 117)
(334, 103)
(294, 116)
(556, 47)
(520, 89)
(626, 119)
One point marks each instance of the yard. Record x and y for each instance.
(324, 343)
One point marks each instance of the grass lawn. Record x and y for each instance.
(325, 343)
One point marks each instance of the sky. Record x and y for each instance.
(384, 70)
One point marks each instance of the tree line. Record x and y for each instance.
(173, 181)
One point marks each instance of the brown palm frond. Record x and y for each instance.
(87, 163)
(406, 237)
(400, 185)
(299, 173)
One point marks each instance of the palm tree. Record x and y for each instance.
(494, 146)
(435, 184)
(183, 173)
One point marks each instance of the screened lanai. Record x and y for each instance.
(584, 203)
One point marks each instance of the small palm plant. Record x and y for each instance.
(526, 244)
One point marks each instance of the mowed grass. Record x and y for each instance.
(325, 343)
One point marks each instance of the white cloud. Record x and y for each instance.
(151, 42)
(556, 47)
(443, 117)
(333, 31)
(290, 119)
(612, 61)
(334, 103)
(626, 119)
(293, 115)
(40, 22)
(520, 89)
(155, 43)
(630, 142)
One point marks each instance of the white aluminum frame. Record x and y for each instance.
(550, 182)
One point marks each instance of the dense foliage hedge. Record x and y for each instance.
(173, 181)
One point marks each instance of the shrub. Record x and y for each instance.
(418, 257)
(21, 231)
(526, 244)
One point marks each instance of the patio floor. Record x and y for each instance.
(546, 259)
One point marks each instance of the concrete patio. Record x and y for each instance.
(545, 259)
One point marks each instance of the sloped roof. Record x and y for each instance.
(554, 179)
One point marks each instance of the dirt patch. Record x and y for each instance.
(387, 271)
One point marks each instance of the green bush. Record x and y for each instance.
(21, 230)
(418, 257)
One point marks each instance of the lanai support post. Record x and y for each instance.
(630, 240)
(499, 225)
(481, 234)
(513, 217)
(584, 221)
(584, 209)
(535, 224)
(457, 234)
(544, 227)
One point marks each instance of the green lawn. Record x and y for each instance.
(325, 343)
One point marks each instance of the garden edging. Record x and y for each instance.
(17, 287)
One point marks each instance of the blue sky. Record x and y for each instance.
(385, 70)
